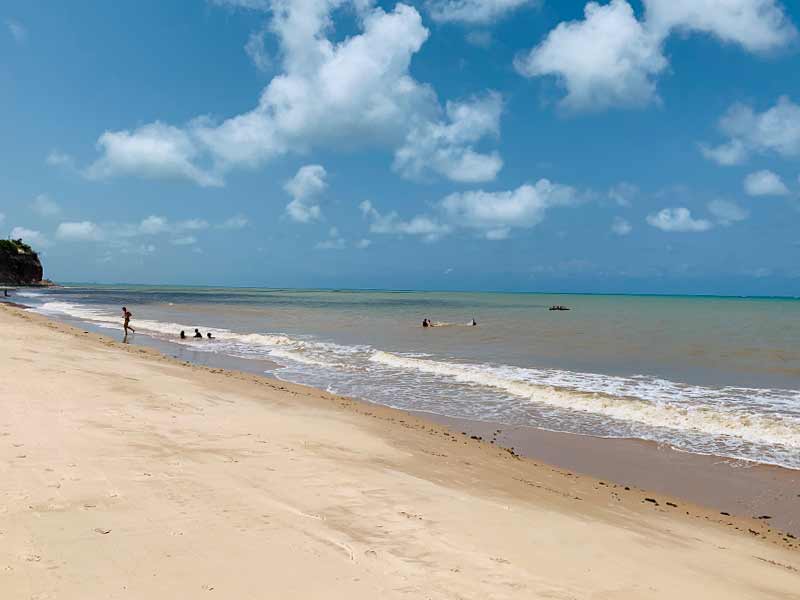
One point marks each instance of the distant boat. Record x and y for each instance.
(558, 307)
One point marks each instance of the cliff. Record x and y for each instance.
(19, 264)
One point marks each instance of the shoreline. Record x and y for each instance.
(209, 479)
(738, 487)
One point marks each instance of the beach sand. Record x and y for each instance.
(126, 474)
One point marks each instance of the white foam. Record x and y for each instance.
(684, 416)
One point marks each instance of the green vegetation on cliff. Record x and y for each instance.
(19, 264)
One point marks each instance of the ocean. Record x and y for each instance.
(707, 375)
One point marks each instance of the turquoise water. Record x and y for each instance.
(703, 374)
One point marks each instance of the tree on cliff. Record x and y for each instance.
(19, 264)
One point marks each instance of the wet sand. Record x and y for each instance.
(129, 474)
(736, 487)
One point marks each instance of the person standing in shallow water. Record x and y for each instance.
(126, 325)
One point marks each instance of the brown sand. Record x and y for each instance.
(125, 474)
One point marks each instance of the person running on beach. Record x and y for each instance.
(126, 315)
(197, 334)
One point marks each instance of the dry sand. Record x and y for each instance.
(125, 474)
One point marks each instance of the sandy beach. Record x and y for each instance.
(128, 474)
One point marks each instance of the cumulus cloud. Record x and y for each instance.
(363, 244)
(727, 213)
(357, 92)
(678, 220)
(608, 59)
(445, 147)
(756, 25)
(334, 242)
(45, 207)
(612, 58)
(473, 11)
(31, 236)
(391, 224)
(621, 226)
(154, 151)
(727, 155)
(305, 188)
(495, 214)
(776, 130)
(17, 30)
(257, 51)
(765, 183)
(79, 231)
(122, 235)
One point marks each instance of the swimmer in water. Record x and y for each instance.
(183, 335)
(426, 322)
(211, 337)
(197, 334)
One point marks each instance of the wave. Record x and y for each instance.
(755, 424)
(702, 418)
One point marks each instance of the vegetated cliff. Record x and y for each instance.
(19, 264)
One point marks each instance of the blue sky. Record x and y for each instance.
(646, 146)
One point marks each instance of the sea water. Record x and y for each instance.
(703, 374)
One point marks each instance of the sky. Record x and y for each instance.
(640, 146)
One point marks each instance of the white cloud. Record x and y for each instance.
(608, 59)
(775, 130)
(45, 207)
(82, 231)
(17, 30)
(765, 183)
(473, 11)
(60, 159)
(192, 225)
(257, 52)
(727, 213)
(304, 188)
(2, 218)
(334, 241)
(363, 244)
(188, 240)
(492, 214)
(496, 213)
(611, 58)
(153, 225)
(31, 236)
(357, 92)
(757, 25)
(235, 222)
(623, 193)
(154, 151)
(621, 226)
(678, 220)
(727, 155)
(445, 147)
(391, 224)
